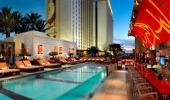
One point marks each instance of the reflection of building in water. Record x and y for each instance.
(85, 22)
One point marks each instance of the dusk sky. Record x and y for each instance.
(122, 10)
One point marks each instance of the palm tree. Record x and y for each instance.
(93, 51)
(34, 22)
(13, 21)
(22, 26)
(41, 26)
(31, 22)
(115, 48)
(8, 20)
(32, 19)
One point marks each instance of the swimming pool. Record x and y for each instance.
(75, 83)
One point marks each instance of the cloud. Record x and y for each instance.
(127, 44)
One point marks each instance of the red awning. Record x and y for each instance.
(146, 42)
(152, 24)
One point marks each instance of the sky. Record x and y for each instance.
(25, 6)
(122, 10)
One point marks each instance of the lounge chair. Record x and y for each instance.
(45, 63)
(26, 66)
(6, 71)
(83, 59)
(89, 59)
(64, 61)
(75, 60)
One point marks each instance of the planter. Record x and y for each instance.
(168, 74)
(159, 70)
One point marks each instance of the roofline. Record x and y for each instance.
(110, 7)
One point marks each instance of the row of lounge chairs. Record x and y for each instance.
(24, 66)
(81, 60)
(95, 59)
(78, 60)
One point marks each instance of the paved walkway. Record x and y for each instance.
(114, 88)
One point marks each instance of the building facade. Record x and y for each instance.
(105, 24)
(38, 44)
(85, 22)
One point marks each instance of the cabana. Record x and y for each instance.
(40, 45)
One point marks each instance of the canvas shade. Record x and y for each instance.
(152, 25)
(141, 37)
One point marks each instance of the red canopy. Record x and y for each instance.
(152, 24)
(141, 37)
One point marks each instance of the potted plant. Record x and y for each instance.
(71, 54)
(53, 54)
(93, 51)
(168, 73)
(158, 69)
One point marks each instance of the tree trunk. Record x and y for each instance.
(7, 35)
(7, 32)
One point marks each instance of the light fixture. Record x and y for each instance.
(136, 3)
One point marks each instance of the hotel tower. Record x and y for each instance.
(85, 22)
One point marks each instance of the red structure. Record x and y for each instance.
(152, 24)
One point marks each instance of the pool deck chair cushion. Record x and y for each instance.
(45, 63)
(26, 66)
(74, 60)
(6, 71)
(64, 61)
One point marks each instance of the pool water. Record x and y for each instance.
(4, 97)
(69, 84)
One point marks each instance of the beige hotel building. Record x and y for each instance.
(85, 22)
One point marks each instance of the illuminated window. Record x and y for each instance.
(60, 50)
(71, 50)
(56, 49)
(40, 49)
